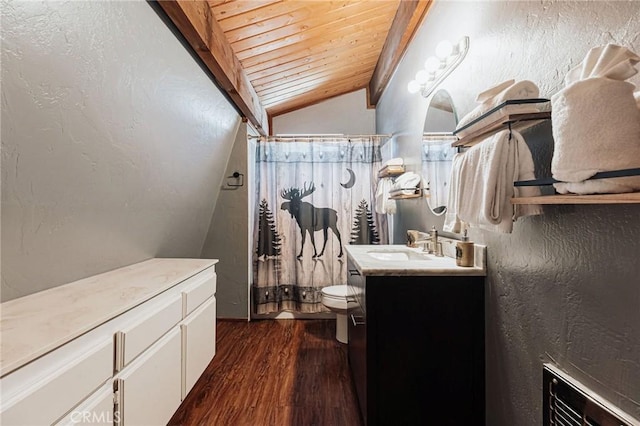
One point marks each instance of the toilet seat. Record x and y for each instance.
(335, 291)
(335, 297)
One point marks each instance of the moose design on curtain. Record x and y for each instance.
(313, 196)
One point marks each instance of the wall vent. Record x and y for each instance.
(566, 402)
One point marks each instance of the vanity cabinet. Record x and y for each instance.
(416, 347)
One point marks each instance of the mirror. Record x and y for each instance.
(437, 153)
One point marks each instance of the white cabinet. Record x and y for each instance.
(42, 392)
(197, 290)
(125, 358)
(151, 324)
(198, 343)
(97, 410)
(148, 391)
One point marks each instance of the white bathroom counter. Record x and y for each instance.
(370, 260)
(33, 325)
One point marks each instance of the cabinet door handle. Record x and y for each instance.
(357, 322)
(353, 272)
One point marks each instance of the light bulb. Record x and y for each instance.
(413, 86)
(432, 63)
(444, 49)
(422, 76)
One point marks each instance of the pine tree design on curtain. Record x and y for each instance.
(364, 229)
(268, 238)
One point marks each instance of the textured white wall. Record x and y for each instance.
(563, 287)
(114, 142)
(347, 114)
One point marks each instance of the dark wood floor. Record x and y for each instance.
(274, 372)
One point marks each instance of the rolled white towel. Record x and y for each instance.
(397, 161)
(407, 180)
(596, 124)
(497, 95)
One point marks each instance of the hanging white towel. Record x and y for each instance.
(452, 222)
(486, 177)
(497, 95)
(384, 205)
(596, 123)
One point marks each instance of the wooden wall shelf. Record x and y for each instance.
(627, 198)
(407, 197)
(390, 171)
(503, 116)
(516, 121)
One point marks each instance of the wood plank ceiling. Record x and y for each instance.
(295, 53)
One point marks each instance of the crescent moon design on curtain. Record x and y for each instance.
(351, 181)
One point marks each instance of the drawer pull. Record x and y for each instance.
(357, 322)
(353, 272)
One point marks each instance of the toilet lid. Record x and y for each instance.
(335, 290)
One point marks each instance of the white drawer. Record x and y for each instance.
(149, 326)
(148, 390)
(198, 343)
(51, 392)
(198, 289)
(97, 410)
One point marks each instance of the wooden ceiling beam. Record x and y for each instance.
(406, 21)
(196, 21)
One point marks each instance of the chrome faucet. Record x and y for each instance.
(434, 246)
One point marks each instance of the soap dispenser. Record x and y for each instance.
(464, 251)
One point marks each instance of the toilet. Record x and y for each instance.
(335, 298)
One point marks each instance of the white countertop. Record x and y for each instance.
(418, 262)
(33, 325)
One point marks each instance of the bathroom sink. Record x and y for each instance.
(401, 260)
(388, 255)
(396, 255)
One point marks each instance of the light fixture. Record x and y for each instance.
(437, 68)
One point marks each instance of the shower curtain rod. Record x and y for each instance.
(328, 136)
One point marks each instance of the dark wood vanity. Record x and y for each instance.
(416, 347)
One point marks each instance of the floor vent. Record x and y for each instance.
(566, 402)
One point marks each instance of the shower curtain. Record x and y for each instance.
(313, 196)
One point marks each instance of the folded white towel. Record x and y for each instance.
(499, 94)
(596, 124)
(608, 61)
(486, 178)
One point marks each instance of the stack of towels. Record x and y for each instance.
(481, 185)
(497, 95)
(596, 123)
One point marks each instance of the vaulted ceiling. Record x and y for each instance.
(276, 56)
